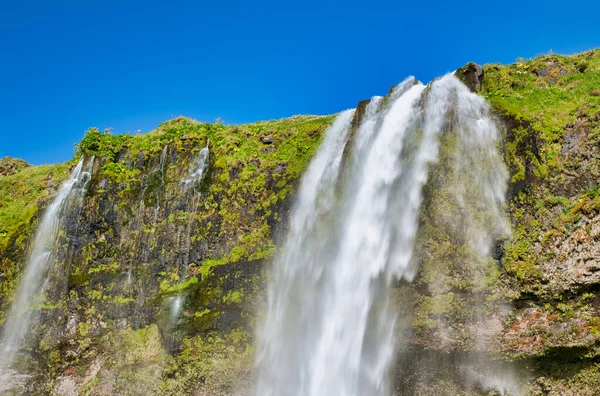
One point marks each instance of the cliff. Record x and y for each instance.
(160, 280)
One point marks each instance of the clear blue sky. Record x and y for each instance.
(66, 65)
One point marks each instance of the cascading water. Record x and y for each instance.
(328, 329)
(163, 162)
(161, 168)
(30, 294)
(200, 167)
(193, 196)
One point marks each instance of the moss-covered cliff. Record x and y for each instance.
(551, 108)
(156, 278)
(159, 281)
(541, 309)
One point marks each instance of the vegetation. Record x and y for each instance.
(553, 114)
(126, 264)
(21, 195)
(144, 241)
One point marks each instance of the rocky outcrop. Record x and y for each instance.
(160, 282)
(552, 71)
(9, 165)
(472, 75)
(151, 265)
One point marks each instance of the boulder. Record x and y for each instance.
(471, 75)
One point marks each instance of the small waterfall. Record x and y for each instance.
(163, 161)
(328, 329)
(199, 169)
(175, 305)
(193, 195)
(161, 168)
(170, 319)
(30, 294)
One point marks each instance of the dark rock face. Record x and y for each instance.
(141, 160)
(147, 260)
(361, 107)
(471, 75)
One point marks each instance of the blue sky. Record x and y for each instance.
(67, 65)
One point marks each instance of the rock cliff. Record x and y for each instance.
(160, 274)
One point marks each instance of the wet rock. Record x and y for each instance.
(12, 382)
(141, 160)
(361, 108)
(65, 386)
(471, 75)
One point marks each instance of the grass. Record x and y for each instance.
(546, 97)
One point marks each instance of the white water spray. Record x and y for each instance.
(30, 294)
(328, 329)
(200, 168)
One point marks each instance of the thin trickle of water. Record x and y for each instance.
(30, 293)
(328, 329)
(200, 167)
(175, 305)
(161, 168)
(163, 161)
(193, 197)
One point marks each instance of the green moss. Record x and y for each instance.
(547, 103)
(224, 361)
(167, 289)
(83, 329)
(121, 300)
(19, 196)
(110, 268)
(22, 193)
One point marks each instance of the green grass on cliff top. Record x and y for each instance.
(295, 139)
(239, 141)
(19, 196)
(549, 95)
(550, 92)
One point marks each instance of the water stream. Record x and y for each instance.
(328, 329)
(29, 297)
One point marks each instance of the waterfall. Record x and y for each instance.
(30, 294)
(161, 168)
(163, 161)
(200, 167)
(328, 329)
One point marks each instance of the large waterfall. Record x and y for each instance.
(328, 329)
(30, 295)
